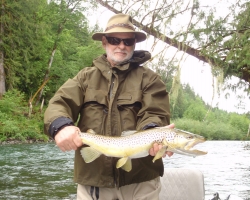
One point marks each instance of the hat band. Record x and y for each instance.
(120, 25)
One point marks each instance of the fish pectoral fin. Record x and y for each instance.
(165, 142)
(170, 146)
(89, 154)
(160, 153)
(124, 163)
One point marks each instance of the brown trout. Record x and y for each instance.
(136, 144)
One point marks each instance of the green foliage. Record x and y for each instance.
(190, 113)
(21, 43)
(218, 115)
(214, 130)
(238, 54)
(239, 122)
(224, 41)
(14, 121)
(196, 110)
(203, 30)
(32, 29)
(186, 96)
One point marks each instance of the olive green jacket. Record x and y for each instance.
(109, 101)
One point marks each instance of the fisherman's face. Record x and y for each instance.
(118, 53)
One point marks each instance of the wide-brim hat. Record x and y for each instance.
(120, 23)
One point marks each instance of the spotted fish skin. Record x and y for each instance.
(136, 144)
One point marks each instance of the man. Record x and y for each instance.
(115, 94)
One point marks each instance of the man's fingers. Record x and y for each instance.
(171, 125)
(68, 138)
(156, 148)
(78, 142)
(67, 145)
(169, 153)
(151, 151)
(63, 145)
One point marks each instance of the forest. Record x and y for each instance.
(44, 43)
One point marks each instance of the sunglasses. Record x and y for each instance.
(117, 41)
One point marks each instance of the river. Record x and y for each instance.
(43, 172)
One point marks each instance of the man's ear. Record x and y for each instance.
(104, 41)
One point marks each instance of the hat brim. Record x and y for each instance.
(140, 36)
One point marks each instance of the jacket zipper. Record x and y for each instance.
(111, 87)
(116, 172)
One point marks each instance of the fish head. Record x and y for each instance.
(184, 142)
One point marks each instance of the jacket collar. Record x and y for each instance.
(139, 57)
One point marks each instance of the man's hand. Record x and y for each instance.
(68, 139)
(156, 147)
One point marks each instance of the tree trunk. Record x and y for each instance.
(59, 30)
(46, 77)
(2, 73)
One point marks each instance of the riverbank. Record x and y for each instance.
(29, 141)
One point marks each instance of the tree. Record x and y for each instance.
(196, 110)
(17, 42)
(2, 73)
(203, 35)
(63, 15)
(40, 40)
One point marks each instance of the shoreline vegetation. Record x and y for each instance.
(54, 43)
(17, 126)
(28, 141)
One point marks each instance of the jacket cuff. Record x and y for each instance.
(148, 126)
(58, 124)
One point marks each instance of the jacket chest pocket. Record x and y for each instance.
(94, 110)
(128, 105)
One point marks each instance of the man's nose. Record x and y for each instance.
(121, 45)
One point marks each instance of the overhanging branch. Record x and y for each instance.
(179, 45)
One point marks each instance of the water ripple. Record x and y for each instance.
(225, 167)
(42, 171)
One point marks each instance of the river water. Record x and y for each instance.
(43, 172)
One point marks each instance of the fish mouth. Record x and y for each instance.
(190, 150)
(190, 144)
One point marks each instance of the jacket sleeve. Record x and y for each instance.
(155, 102)
(64, 106)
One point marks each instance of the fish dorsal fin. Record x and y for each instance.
(127, 133)
(91, 131)
(89, 154)
(124, 163)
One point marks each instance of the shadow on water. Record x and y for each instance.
(42, 171)
(35, 171)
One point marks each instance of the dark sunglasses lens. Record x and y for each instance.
(129, 41)
(113, 40)
(117, 41)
